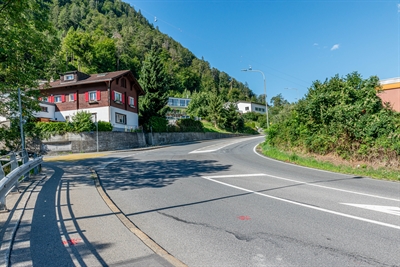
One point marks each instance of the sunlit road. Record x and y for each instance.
(219, 203)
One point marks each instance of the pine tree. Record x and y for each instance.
(154, 82)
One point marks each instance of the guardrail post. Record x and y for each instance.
(25, 159)
(2, 198)
(13, 161)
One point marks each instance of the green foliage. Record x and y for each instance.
(158, 124)
(82, 122)
(101, 36)
(190, 125)
(154, 82)
(27, 41)
(342, 116)
(48, 129)
(104, 126)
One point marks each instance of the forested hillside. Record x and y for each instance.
(99, 36)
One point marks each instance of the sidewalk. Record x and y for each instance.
(61, 219)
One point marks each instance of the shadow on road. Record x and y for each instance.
(134, 174)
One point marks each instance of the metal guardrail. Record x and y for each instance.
(17, 173)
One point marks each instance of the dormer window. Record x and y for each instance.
(69, 77)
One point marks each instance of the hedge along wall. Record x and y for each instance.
(87, 142)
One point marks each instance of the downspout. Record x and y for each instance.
(109, 99)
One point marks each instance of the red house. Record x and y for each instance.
(111, 97)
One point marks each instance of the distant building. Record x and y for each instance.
(178, 108)
(391, 92)
(246, 106)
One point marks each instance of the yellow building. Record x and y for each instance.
(391, 92)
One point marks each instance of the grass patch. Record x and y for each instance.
(209, 127)
(363, 170)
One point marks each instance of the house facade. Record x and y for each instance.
(391, 92)
(178, 108)
(110, 97)
(245, 106)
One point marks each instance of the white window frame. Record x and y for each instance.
(69, 77)
(131, 101)
(117, 96)
(120, 118)
(57, 99)
(92, 96)
(71, 97)
(44, 109)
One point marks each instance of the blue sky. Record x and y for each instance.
(292, 42)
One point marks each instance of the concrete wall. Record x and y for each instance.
(170, 138)
(87, 142)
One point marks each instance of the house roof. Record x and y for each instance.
(249, 102)
(393, 83)
(96, 78)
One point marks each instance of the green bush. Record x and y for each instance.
(190, 125)
(104, 126)
(158, 124)
(47, 129)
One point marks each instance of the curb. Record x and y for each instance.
(150, 243)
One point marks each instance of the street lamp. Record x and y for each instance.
(265, 92)
(97, 131)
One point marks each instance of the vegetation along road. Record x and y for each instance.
(215, 203)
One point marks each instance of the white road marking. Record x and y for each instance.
(386, 209)
(217, 147)
(235, 175)
(308, 206)
(303, 183)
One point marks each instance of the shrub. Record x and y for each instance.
(190, 125)
(104, 126)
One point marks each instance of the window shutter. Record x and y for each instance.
(87, 96)
(75, 97)
(62, 98)
(51, 99)
(123, 98)
(98, 95)
(112, 95)
(40, 99)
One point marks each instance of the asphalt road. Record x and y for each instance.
(218, 203)
(214, 203)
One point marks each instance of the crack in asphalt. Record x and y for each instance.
(277, 240)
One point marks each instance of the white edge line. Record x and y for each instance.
(229, 143)
(309, 206)
(322, 186)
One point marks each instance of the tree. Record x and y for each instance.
(154, 82)
(198, 105)
(341, 115)
(27, 41)
(216, 110)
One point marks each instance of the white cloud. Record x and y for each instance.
(335, 47)
(315, 44)
(398, 8)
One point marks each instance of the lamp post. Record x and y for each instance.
(97, 131)
(21, 122)
(265, 92)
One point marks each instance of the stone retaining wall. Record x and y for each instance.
(87, 142)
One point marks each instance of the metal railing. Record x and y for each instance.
(16, 172)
